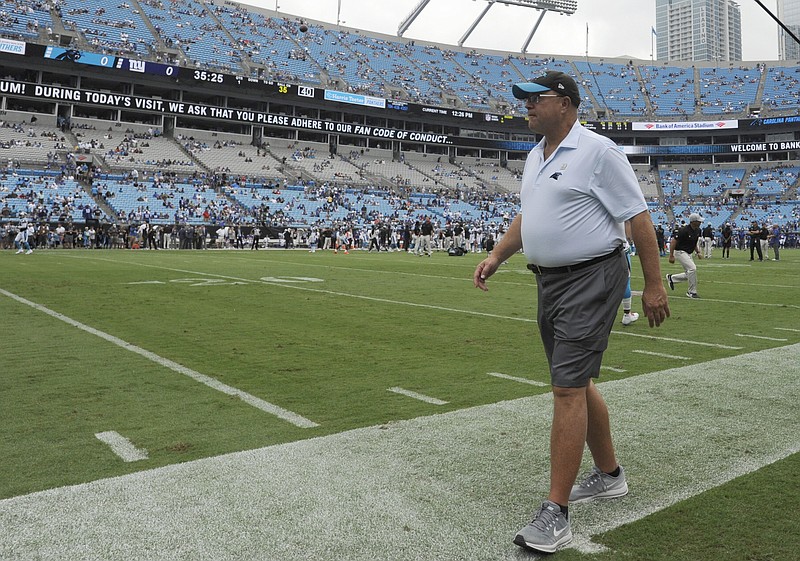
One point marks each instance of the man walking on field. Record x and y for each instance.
(578, 189)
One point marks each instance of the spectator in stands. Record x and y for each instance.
(684, 243)
(575, 235)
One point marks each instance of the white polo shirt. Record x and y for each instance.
(574, 205)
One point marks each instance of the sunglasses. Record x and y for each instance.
(535, 98)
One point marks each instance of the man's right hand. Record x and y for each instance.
(483, 271)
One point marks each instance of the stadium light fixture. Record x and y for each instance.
(567, 7)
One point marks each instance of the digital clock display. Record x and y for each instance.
(213, 77)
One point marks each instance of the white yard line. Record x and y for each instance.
(440, 487)
(662, 355)
(121, 446)
(213, 383)
(419, 396)
(518, 379)
(749, 336)
(674, 340)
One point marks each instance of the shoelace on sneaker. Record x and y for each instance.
(544, 519)
(591, 478)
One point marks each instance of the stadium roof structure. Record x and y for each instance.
(567, 7)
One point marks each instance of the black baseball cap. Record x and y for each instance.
(561, 83)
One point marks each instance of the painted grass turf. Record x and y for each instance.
(326, 350)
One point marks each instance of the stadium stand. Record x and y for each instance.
(30, 143)
(249, 41)
(773, 181)
(144, 149)
(192, 28)
(647, 181)
(670, 90)
(728, 91)
(708, 183)
(781, 88)
(159, 200)
(118, 168)
(615, 86)
(671, 183)
(108, 27)
(45, 196)
(25, 20)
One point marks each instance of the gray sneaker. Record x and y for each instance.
(548, 531)
(599, 485)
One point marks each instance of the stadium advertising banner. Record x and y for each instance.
(171, 107)
(110, 61)
(12, 47)
(355, 99)
(82, 57)
(146, 67)
(772, 121)
(121, 101)
(685, 125)
(710, 149)
(223, 80)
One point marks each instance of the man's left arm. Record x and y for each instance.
(654, 295)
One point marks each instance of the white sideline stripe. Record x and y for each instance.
(673, 340)
(517, 379)
(787, 329)
(664, 355)
(419, 396)
(759, 337)
(121, 446)
(213, 383)
(612, 369)
(754, 285)
(748, 303)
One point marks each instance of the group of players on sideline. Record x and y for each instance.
(422, 236)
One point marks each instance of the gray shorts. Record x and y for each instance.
(576, 313)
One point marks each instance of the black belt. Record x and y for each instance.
(571, 268)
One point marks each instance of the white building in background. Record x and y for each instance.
(789, 14)
(698, 30)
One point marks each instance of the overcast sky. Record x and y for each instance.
(617, 28)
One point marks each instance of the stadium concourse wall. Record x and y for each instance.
(94, 101)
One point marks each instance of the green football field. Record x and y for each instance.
(173, 364)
